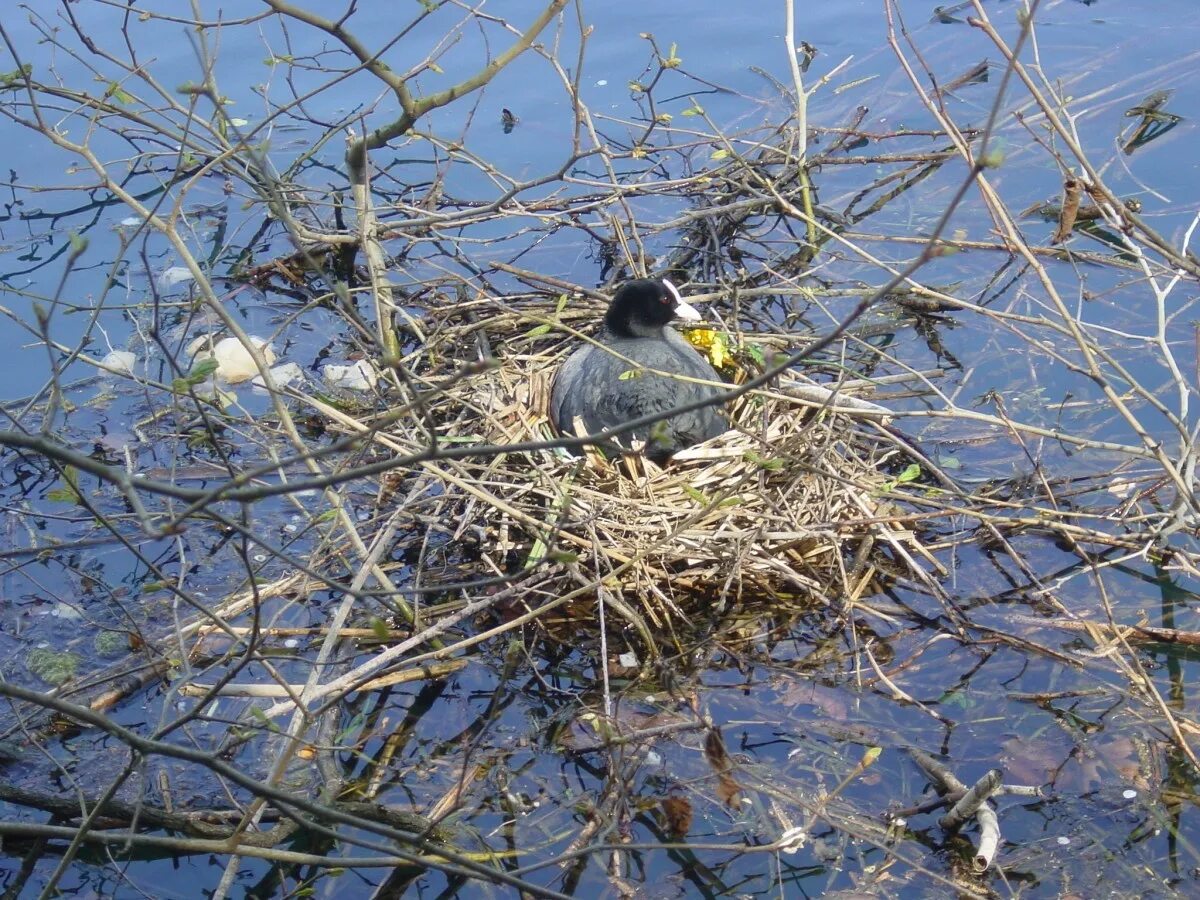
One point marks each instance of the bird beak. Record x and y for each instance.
(683, 309)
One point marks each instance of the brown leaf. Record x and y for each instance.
(728, 789)
(677, 813)
(718, 757)
(1070, 209)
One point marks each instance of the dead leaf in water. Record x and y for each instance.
(718, 757)
(677, 813)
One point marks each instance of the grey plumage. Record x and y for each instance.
(590, 386)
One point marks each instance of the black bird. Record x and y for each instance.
(601, 389)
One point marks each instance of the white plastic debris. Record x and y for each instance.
(66, 611)
(1121, 489)
(234, 362)
(168, 278)
(360, 376)
(792, 840)
(288, 373)
(120, 362)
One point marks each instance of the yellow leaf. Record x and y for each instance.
(700, 338)
(718, 353)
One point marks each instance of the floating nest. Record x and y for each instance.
(784, 505)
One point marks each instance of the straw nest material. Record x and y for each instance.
(785, 504)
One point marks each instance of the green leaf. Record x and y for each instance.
(16, 76)
(119, 94)
(538, 331)
(379, 628)
(202, 370)
(719, 154)
(261, 716)
(69, 492)
(694, 110)
(631, 373)
(695, 494)
(755, 353)
(771, 465)
(910, 473)
(561, 305)
(63, 495)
